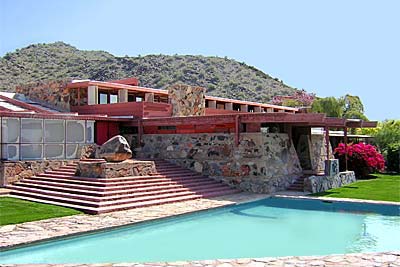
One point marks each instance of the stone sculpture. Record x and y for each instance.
(115, 149)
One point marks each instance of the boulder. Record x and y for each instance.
(116, 149)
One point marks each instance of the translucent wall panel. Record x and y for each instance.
(10, 152)
(54, 131)
(10, 130)
(31, 131)
(75, 131)
(31, 151)
(89, 131)
(54, 151)
(72, 151)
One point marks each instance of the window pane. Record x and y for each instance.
(102, 98)
(72, 151)
(10, 130)
(10, 152)
(33, 151)
(54, 151)
(89, 131)
(54, 131)
(31, 130)
(113, 99)
(75, 131)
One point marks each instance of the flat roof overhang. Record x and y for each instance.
(298, 119)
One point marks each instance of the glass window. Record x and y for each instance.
(10, 152)
(113, 99)
(54, 131)
(72, 151)
(54, 151)
(31, 130)
(10, 130)
(75, 131)
(89, 131)
(103, 98)
(31, 151)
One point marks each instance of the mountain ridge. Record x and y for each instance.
(221, 77)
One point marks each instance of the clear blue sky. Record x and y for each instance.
(327, 47)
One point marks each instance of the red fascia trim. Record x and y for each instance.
(128, 81)
(68, 116)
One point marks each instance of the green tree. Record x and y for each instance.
(333, 107)
(353, 107)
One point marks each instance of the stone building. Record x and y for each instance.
(253, 146)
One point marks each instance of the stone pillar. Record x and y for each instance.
(244, 108)
(281, 110)
(269, 110)
(122, 95)
(93, 95)
(212, 104)
(187, 100)
(149, 97)
(229, 106)
(257, 109)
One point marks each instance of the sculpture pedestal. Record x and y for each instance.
(99, 168)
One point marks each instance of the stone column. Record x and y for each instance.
(270, 110)
(93, 95)
(212, 104)
(187, 100)
(149, 97)
(244, 108)
(229, 106)
(122, 95)
(257, 109)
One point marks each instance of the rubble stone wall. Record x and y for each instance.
(318, 152)
(262, 163)
(115, 169)
(54, 94)
(316, 184)
(13, 171)
(187, 100)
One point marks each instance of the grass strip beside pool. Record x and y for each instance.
(13, 210)
(385, 188)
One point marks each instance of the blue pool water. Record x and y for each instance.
(269, 227)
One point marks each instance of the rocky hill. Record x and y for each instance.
(221, 76)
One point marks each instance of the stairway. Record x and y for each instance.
(298, 185)
(169, 184)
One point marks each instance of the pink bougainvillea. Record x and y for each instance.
(362, 158)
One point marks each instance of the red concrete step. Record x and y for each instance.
(134, 181)
(163, 201)
(96, 202)
(161, 182)
(123, 192)
(68, 173)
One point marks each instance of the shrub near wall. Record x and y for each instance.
(362, 158)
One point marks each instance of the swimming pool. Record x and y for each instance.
(268, 227)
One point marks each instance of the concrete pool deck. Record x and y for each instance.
(25, 233)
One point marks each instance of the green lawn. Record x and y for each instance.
(13, 210)
(385, 187)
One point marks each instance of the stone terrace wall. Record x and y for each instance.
(262, 163)
(316, 184)
(53, 94)
(13, 171)
(318, 152)
(115, 169)
(187, 100)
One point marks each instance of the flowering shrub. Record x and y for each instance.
(361, 158)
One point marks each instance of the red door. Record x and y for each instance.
(105, 130)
